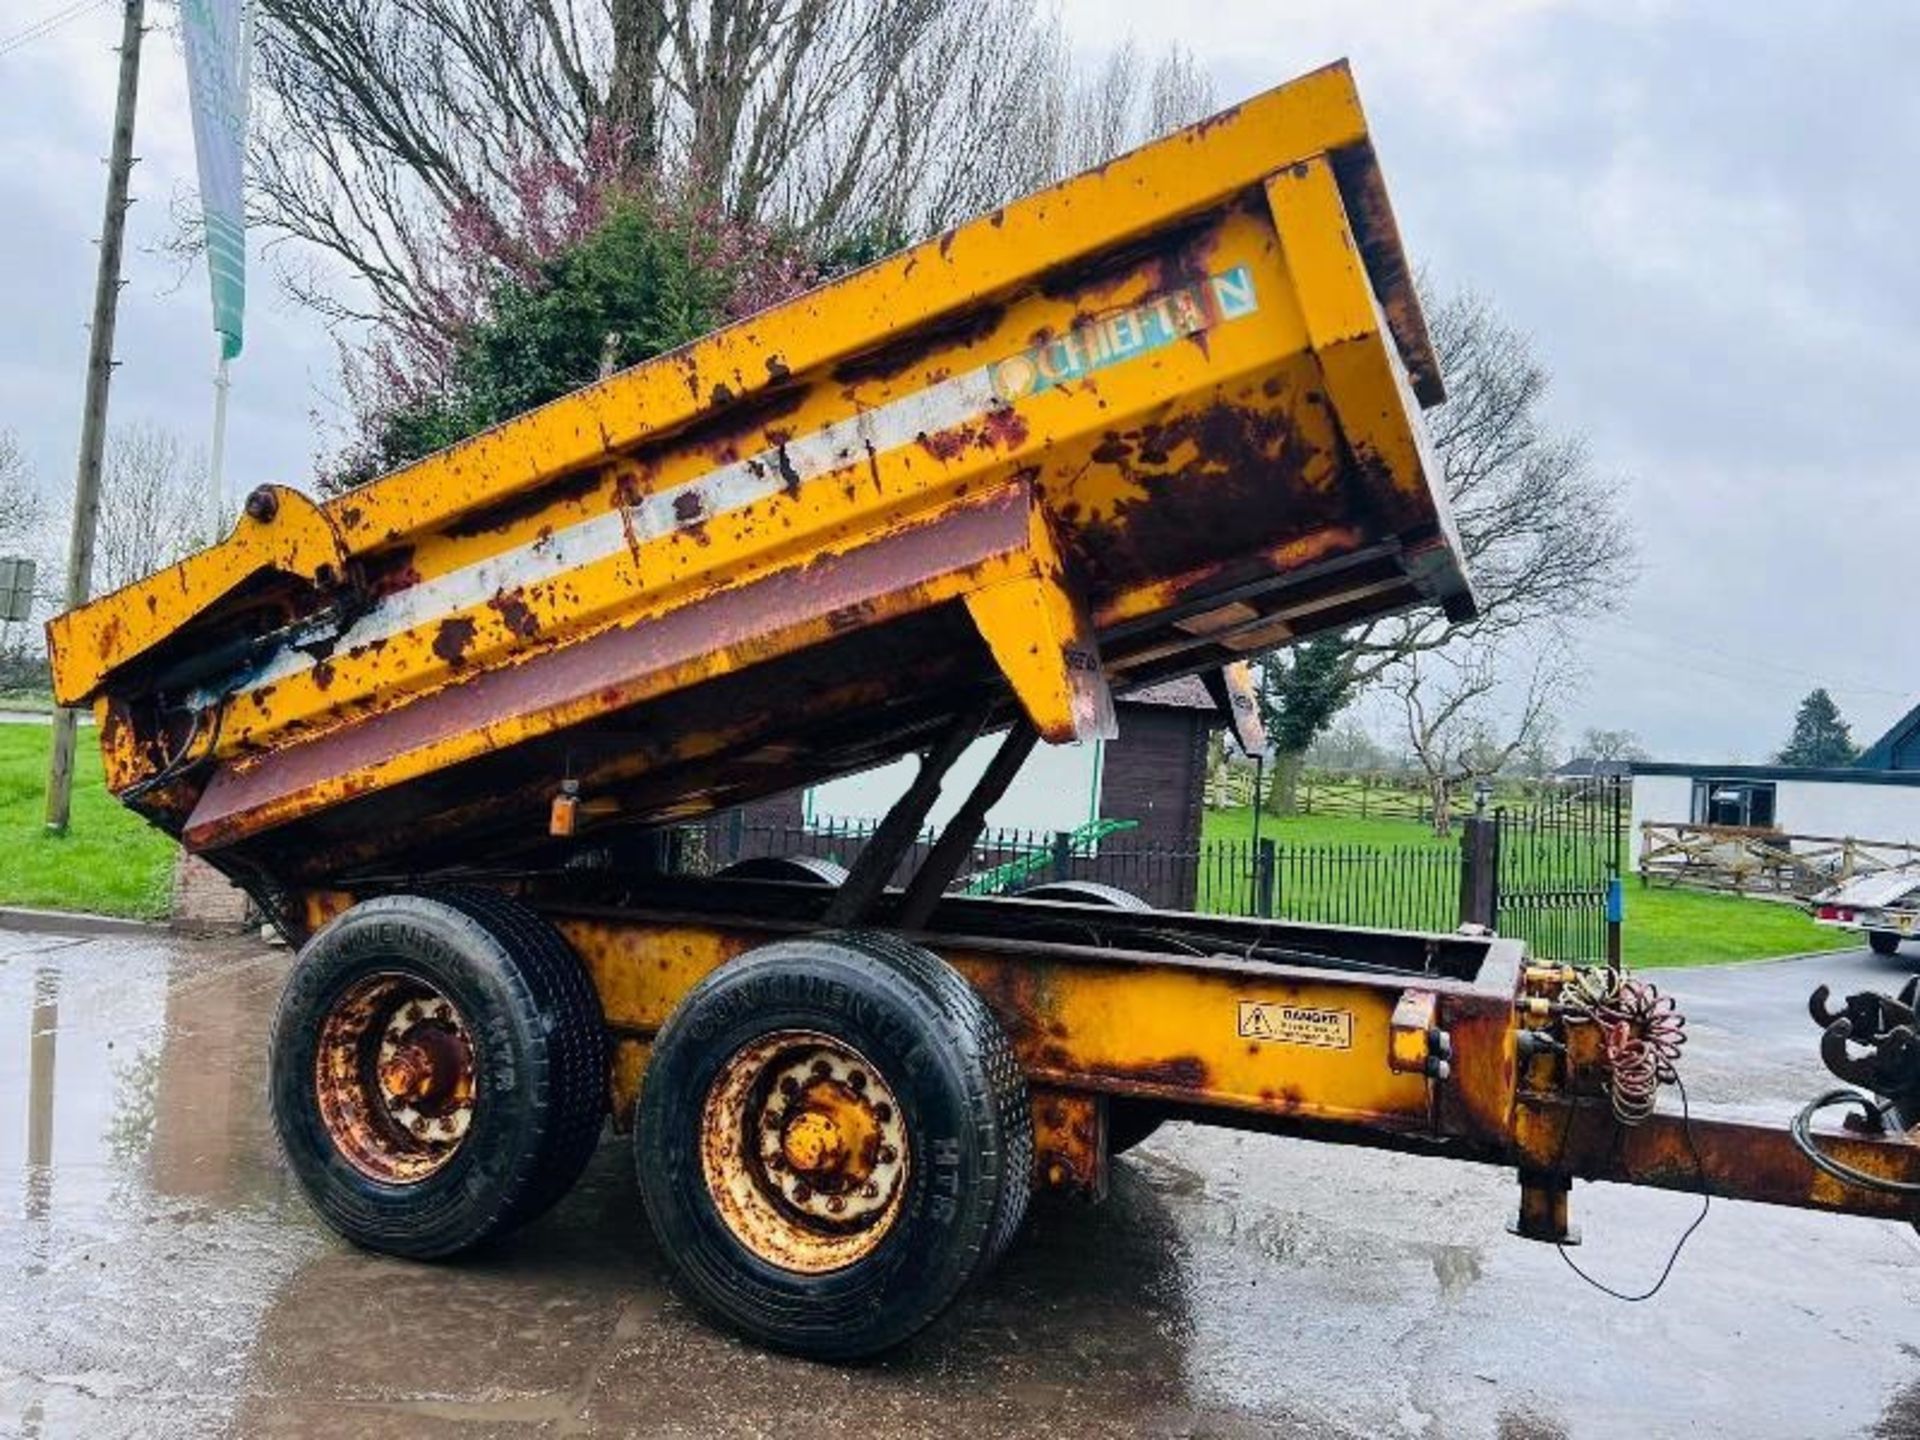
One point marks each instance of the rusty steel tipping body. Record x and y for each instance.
(1146, 423)
(1142, 424)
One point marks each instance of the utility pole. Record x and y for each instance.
(93, 424)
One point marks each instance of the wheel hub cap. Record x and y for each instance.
(804, 1151)
(395, 1078)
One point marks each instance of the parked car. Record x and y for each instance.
(1885, 905)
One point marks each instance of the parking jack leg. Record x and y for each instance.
(1544, 1208)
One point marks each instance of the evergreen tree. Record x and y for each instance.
(649, 274)
(1820, 737)
(1301, 689)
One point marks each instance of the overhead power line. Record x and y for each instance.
(47, 24)
(1656, 647)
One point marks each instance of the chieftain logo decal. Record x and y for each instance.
(1124, 335)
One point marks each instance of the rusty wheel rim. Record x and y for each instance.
(394, 1076)
(804, 1151)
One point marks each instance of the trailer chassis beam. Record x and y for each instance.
(1728, 1159)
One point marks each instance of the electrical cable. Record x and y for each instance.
(182, 758)
(1801, 1132)
(1673, 1256)
(1641, 1034)
(47, 24)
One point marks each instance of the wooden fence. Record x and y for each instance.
(1365, 796)
(1381, 797)
(1741, 861)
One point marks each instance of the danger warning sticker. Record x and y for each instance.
(1296, 1025)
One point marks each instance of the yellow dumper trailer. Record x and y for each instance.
(1142, 424)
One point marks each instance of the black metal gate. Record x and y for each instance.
(1557, 871)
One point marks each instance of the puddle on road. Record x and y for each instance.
(124, 1079)
(144, 1204)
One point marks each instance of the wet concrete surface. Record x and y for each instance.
(159, 1274)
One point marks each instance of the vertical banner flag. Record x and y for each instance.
(216, 38)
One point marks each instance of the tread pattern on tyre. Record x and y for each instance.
(1084, 892)
(565, 1079)
(576, 1033)
(1006, 1081)
(831, 1322)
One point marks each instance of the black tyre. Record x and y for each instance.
(1084, 892)
(1884, 942)
(439, 1071)
(793, 869)
(833, 1137)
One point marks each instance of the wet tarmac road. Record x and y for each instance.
(159, 1275)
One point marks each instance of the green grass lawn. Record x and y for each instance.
(1323, 830)
(1663, 926)
(110, 861)
(1689, 927)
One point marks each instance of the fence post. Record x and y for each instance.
(1062, 855)
(1263, 879)
(1616, 892)
(1479, 870)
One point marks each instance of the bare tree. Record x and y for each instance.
(24, 534)
(152, 508)
(1349, 746)
(1542, 532)
(1597, 744)
(22, 510)
(388, 127)
(1539, 757)
(1455, 726)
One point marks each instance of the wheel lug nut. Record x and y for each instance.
(883, 1112)
(857, 1079)
(772, 1119)
(802, 1192)
(888, 1155)
(822, 1069)
(869, 1191)
(789, 1086)
(836, 1205)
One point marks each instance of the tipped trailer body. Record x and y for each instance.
(1149, 422)
(1138, 425)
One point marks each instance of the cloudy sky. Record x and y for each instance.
(1703, 214)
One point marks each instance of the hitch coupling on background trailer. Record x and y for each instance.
(1886, 1033)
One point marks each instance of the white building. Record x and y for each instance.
(1850, 802)
(1875, 798)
